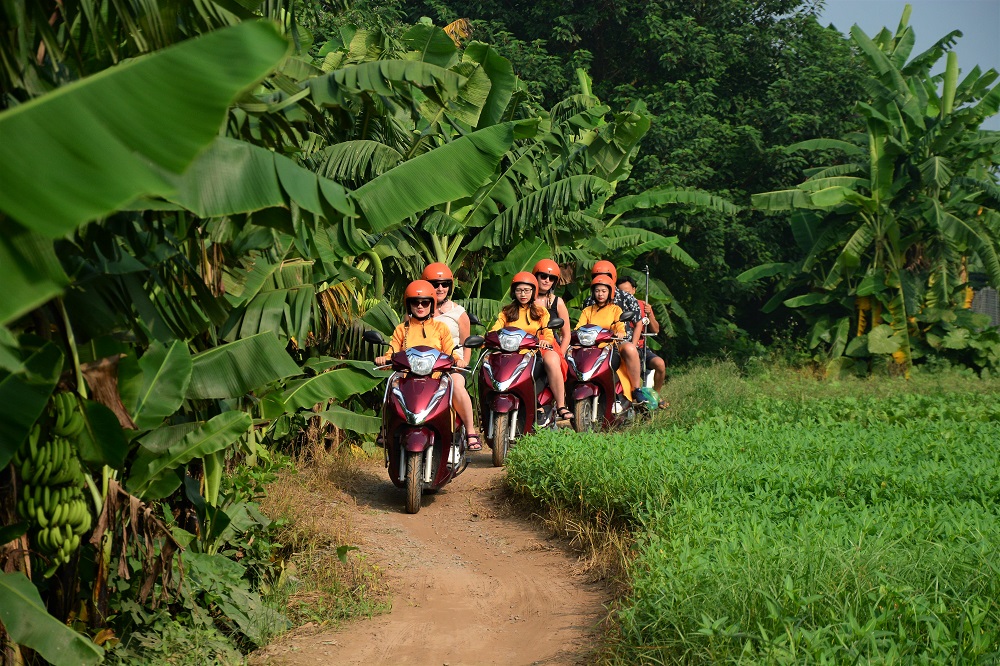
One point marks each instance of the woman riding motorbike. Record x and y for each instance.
(420, 329)
(606, 314)
(524, 313)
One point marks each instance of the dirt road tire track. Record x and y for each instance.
(472, 584)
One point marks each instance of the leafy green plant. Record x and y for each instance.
(893, 228)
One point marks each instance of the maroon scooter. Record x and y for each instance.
(514, 393)
(593, 385)
(425, 445)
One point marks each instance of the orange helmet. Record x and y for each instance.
(419, 289)
(527, 278)
(607, 282)
(546, 266)
(437, 271)
(603, 266)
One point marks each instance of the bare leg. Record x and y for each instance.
(462, 403)
(659, 373)
(631, 357)
(554, 370)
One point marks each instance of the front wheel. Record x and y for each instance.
(583, 415)
(414, 482)
(501, 438)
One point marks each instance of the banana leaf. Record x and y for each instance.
(450, 172)
(160, 388)
(338, 384)
(502, 80)
(429, 43)
(763, 271)
(236, 177)
(233, 369)
(527, 212)
(63, 162)
(23, 397)
(669, 196)
(387, 78)
(522, 257)
(154, 475)
(345, 419)
(29, 271)
(25, 618)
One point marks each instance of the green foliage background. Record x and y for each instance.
(729, 83)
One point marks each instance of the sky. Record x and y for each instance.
(979, 21)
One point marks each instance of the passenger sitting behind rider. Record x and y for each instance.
(420, 329)
(523, 313)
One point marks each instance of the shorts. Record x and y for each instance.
(650, 356)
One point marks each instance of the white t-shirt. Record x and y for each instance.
(450, 319)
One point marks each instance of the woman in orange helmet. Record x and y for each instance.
(524, 313)
(447, 311)
(419, 328)
(628, 303)
(547, 273)
(606, 314)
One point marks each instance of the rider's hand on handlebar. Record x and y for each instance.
(382, 360)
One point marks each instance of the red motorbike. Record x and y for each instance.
(424, 441)
(514, 393)
(593, 385)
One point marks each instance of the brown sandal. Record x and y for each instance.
(472, 443)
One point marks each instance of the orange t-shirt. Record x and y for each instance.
(428, 333)
(536, 328)
(606, 317)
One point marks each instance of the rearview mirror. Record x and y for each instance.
(474, 341)
(373, 338)
(556, 322)
(627, 316)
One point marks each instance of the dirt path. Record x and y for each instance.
(471, 584)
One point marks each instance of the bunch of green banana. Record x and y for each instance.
(48, 463)
(69, 420)
(55, 507)
(52, 492)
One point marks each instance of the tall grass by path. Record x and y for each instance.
(778, 525)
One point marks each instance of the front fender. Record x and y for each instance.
(584, 391)
(417, 440)
(503, 403)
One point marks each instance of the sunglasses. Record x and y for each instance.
(440, 283)
(545, 276)
(421, 302)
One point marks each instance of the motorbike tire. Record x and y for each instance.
(501, 438)
(414, 482)
(583, 415)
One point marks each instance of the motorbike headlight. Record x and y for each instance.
(587, 337)
(510, 342)
(422, 365)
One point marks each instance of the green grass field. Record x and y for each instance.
(781, 520)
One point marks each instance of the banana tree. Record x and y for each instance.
(895, 220)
